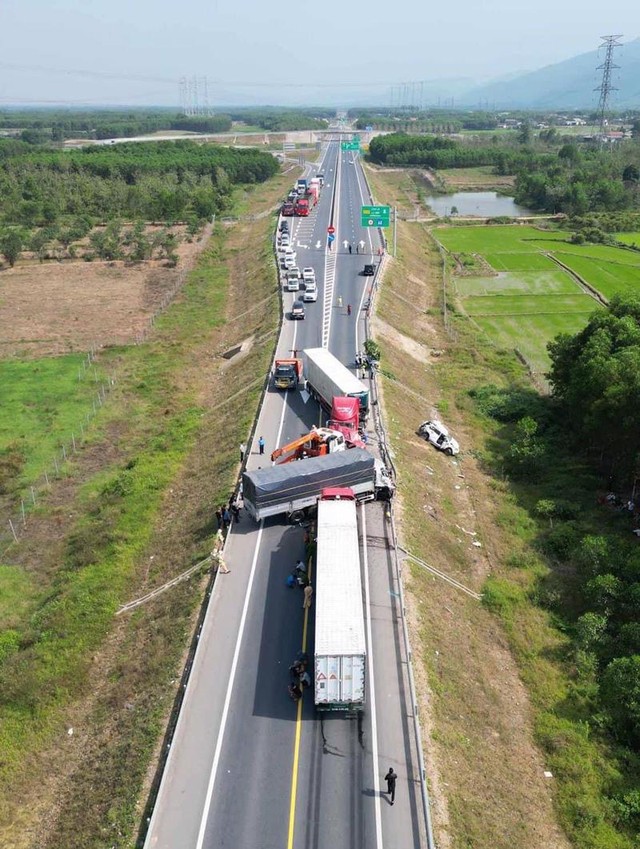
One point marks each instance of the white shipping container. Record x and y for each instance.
(327, 378)
(340, 648)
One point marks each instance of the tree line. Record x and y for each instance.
(44, 126)
(437, 152)
(152, 181)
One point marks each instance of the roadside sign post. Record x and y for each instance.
(351, 145)
(395, 230)
(375, 216)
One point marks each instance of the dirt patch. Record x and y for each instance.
(55, 308)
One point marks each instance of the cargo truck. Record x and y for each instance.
(327, 377)
(301, 186)
(345, 418)
(287, 373)
(293, 489)
(302, 207)
(340, 649)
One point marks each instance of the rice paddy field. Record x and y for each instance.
(524, 297)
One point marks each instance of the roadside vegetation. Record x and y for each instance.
(556, 558)
(552, 175)
(85, 696)
(50, 126)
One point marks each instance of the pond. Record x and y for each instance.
(482, 204)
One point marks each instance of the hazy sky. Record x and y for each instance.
(260, 51)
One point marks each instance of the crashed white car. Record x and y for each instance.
(437, 434)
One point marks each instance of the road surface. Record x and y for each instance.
(248, 768)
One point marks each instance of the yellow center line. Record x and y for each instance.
(296, 745)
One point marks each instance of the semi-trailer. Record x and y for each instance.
(293, 489)
(340, 654)
(326, 377)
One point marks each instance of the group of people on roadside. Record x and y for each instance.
(299, 677)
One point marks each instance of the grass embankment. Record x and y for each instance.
(43, 402)
(504, 702)
(134, 510)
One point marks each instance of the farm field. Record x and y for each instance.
(609, 278)
(530, 299)
(628, 238)
(476, 178)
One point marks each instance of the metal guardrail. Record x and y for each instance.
(388, 459)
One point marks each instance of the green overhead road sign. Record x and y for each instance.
(375, 216)
(352, 145)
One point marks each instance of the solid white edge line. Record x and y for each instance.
(372, 687)
(236, 653)
(227, 700)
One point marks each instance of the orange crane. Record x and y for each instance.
(321, 440)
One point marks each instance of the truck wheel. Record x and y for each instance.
(296, 517)
(448, 452)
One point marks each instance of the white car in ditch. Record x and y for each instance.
(437, 434)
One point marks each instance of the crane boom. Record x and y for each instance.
(319, 441)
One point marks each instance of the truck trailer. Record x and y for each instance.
(340, 649)
(293, 489)
(327, 377)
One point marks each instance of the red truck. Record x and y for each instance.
(288, 208)
(302, 207)
(345, 418)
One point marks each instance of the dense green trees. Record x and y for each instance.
(439, 152)
(54, 125)
(155, 182)
(595, 376)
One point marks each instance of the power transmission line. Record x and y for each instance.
(610, 42)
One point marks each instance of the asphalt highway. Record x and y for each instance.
(249, 768)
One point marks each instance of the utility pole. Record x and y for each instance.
(610, 42)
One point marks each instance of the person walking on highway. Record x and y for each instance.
(218, 543)
(361, 246)
(243, 451)
(391, 778)
(218, 514)
(348, 309)
(339, 301)
(308, 595)
(261, 444)
(349, 247)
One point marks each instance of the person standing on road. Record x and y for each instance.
(349, 247)
(219, 518)
(261, 444)
(339, 301)
(308, 595)
(391, 778)
(243, 451)
(348, 309)
(361, 246)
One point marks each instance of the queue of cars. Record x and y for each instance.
(295, 280)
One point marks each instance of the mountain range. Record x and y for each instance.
(569, 84)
